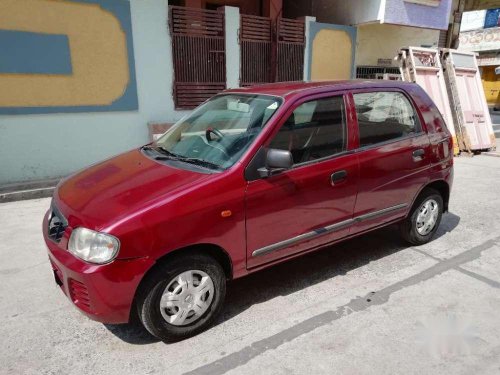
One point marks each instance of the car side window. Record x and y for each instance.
(383, 116)
(316, 129)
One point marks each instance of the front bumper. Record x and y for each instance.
(102, 292)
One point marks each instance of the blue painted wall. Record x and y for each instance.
(38, 146)
(34, 53)
(39, 52)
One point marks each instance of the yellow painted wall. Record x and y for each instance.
(491, 85)
(381, 41)
(331, 55)
(98, 54)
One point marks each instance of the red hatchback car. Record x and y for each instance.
(251, 178)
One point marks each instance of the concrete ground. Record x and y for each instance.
(369, 306)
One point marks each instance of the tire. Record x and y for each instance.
(181, 300)
(412, 229)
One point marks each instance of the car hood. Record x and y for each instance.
(108, 192)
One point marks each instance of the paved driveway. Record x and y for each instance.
(369, 306)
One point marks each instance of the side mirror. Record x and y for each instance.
(276, 161)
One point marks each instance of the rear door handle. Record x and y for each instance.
(338, 176)
(418, 154)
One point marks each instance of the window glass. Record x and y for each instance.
(315, 129)
(220, 130)
(383, 116)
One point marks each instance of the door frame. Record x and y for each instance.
(421, 121)
(351, 127)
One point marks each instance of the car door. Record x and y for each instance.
(394, 157)
(310, 204)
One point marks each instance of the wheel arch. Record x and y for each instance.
(216, 252)
(442, 187)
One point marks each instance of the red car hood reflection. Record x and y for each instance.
(109, 191)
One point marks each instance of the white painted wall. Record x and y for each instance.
(34, 147)
(384, 41)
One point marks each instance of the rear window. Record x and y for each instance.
(383, 116)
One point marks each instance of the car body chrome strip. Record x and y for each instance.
(328, 229)
(378, 213)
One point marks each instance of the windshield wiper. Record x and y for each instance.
(201, 162)
(161, 150)
(167, 155)
(196, 161)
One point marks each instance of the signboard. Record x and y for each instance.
(480, 40)
(491, 19)
(384, 62)
(472, 20)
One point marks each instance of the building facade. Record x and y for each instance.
(72, 95)
(93, 95)
(383, 27)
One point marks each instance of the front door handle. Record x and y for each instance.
(338, 176)
(418, 154)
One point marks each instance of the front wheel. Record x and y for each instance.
(182, 297)
(424, 218)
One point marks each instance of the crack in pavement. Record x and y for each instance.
(484, 279)
(243, 356)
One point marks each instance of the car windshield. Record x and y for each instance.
(217, 133)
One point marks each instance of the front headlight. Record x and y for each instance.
(93, 247)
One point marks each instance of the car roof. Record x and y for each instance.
(286, 89)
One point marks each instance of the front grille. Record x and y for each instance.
(57, 224)
(79, 294)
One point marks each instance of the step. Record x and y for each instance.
(26, 194)
(28, 190)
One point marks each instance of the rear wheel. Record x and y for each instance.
(182, 297)
(424, 218)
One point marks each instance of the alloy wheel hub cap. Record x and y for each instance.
(427, 217)
(187, 297)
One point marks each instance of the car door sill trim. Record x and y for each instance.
(323, 230)
(381, 212)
